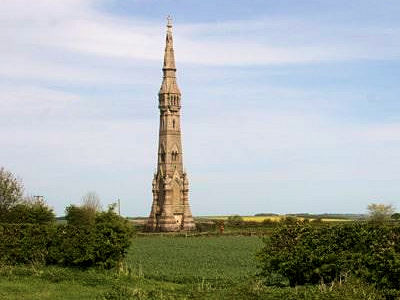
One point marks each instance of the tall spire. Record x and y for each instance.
(170, 210)
(169, 84)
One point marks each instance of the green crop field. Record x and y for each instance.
(195, 259)
(169, 267)
(155, 265)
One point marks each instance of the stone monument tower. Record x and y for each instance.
(170, 210)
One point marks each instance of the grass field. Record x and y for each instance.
(156, 266)
(214, 259)
(169, 267)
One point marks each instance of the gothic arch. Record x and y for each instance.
(162, 153)
(177, 192)
(174, 153)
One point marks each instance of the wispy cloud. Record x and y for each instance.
(33, 30)
(78, 105)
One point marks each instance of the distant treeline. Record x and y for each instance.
(316, 216)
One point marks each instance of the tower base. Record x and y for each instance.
(170, 224)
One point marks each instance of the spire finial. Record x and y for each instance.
(169, 21)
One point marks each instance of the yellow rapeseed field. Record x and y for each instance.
(274, 218)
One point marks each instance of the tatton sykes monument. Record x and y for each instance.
(170, 210)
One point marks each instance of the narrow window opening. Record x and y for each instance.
(174, 156)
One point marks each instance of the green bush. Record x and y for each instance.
(206, 226)
(103, 243)
(289, 220)
(29, 212)
(25, 243)
(268, 222)
(395, 216)
(235, 220)
(113, 238)
(80, 215)
(308, 254)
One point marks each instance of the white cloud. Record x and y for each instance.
(22, 101)
(46, 130)
(294, 146)
(34, 30)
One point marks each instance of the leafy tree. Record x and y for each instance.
(86, 213)
(235, 220)
(268, 222)
(80, 215)
(289, 220)
(379, 212)
(101, 243)
(11, 191)
(395, 216)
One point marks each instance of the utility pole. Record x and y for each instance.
(119, 206)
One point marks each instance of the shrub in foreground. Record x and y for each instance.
(25, 243)
(307, 254)
(103, 243)
(29, 212)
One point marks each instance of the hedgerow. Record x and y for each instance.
(306, 254)
(25, 243)
(103, 243)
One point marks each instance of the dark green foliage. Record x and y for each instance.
(206, 226)
(234, 220)
(268, 222)
(113, 237)
(308, 254)
(103, 243)
(395, 216)
(25, 243)
(73, 246)
(289, 220)
(29, 212)
(80, 215)
(266, 215)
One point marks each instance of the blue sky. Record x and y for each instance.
(288, 106)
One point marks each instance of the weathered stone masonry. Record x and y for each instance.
(170, 210)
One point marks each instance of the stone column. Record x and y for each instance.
(188, 222)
